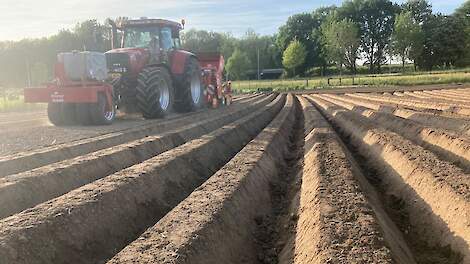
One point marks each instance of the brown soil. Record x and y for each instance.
(28, 160)
(319, 178)
(29, 137)
(92, 223)
(417, 103)
(338, 206)
(216, 223)
(27, 189)
(413, 174)
(459, 126)
(448, 145)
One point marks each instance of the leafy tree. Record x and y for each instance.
(376, 20)
(407, 38)
(269, 54)
(237, 65)
(92, 36)
(301, 27)
(463, 13)
(420, 10)
(202, 41)
(463, 10)
(294, 56)
(341, 40)
(444, 43)
(320, 15)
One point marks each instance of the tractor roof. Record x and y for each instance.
(149, 21)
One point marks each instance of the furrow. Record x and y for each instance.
(449, 146)
(27, 189)
(459, 126)
(449, 96)
(215, 224)
(33, 159)
(441, 98)
(340, 219)
(417, 103)
(92, 223)
(435, 193)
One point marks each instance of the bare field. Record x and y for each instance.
(344, 177)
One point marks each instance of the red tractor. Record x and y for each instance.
(148, 73)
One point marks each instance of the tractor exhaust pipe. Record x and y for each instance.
(114, 36)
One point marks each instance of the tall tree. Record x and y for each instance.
(300, 27)
(341, 40)
(463, 13)
(320, 15)
(421, 10)
(444, 43)
(202, 41)
(463, 10)
(376, 19)
(237, 65)
(294, 55)
(407, 38)
(92, 36)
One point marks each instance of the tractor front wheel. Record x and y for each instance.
(101, 113)
(154, 92)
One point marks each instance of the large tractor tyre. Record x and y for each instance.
(117, 89)
(54, 112)
(69, 114)
(83, 114)
(154, 92)
(101, 113)
(62, 114)
(191, 89)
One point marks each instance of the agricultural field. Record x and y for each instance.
(380, 80)
(339, 177)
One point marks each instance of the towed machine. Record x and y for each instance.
(146, 71)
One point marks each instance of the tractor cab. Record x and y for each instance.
(144, 41)
(150, 33)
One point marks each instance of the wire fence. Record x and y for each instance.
(353, 80)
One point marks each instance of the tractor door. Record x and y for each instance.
(155, 45)
(174, 56)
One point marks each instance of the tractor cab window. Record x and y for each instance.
(176, 38)
(167, 38)
(140, 37)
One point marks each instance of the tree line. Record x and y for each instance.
(359, 32)
(374, 31)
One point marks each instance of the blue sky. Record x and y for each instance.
(38, 18)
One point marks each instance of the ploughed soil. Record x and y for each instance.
(358, 175)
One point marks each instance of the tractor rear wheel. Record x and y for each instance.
(54, 112)
(83, 114)
(154, 92)
(192, 89)
(62, 114)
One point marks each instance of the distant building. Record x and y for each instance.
(268, 74)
